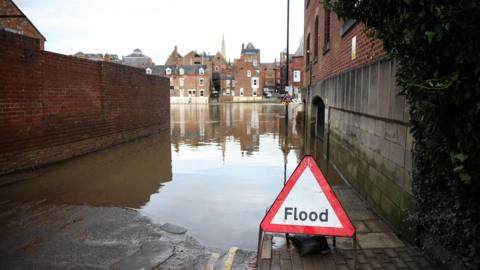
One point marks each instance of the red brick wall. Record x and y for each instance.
(339, 56)
(54, 107)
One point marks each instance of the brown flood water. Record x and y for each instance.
(215, 172)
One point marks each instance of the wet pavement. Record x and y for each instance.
(39, 235)
(378, 246)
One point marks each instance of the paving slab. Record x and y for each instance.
(379, 247)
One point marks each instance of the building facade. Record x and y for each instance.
(359, 122)
(188, 83)
(12, 19)
(242, 81)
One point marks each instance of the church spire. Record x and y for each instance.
(224, 51)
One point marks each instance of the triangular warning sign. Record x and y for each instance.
(307, 205)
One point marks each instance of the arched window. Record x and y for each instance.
(249, 73)
(168, 71)
(148, 71)
(201, 71)
(181, 71)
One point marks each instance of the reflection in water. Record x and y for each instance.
(228, 167)
(226, 163)
(125, 175)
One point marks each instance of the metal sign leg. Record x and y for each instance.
(355, 251)
(259, 245)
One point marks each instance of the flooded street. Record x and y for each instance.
(228, 166)
(215, 173)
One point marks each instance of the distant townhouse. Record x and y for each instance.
(188, 83)
(247, 74)
(12, 19)
(247, 82)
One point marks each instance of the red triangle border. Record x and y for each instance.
(348, 229)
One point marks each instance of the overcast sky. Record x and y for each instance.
(156, 26)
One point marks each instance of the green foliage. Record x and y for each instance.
(437, 47)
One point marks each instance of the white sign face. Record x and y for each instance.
(307, 205)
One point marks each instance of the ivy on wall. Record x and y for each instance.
(437, 47)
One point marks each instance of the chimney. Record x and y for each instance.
(243, 46)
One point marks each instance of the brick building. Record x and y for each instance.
(188, 83)
(268, 75)
(250, 54)
(249, 82)
(242, 81)
(354, 111)
(12, 19)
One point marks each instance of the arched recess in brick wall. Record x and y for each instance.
(318, 112)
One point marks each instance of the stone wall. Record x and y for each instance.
(366, 136)
(54, 107)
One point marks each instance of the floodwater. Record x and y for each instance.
(215, 172)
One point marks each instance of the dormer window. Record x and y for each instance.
(249, 73)
(181, 71)
(148, 71)
(168, 71)
(201, 71)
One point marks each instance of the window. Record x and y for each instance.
(227, 82)
(181, 71)
(315, 44)
(216, 68)
(255, 62)
(148, 71)
(326, 40)
(201, 81)
(227, 91)
(347, 25)
(254, 93)
(168, 71)
(181, 82)
(202, 92)
(249, 73)
(254, 82)
(307, 51)
(181, 92)
(201, 71)
(241, 92)
(296, 76)
(171, 81)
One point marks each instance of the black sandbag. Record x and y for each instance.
(310, 244)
